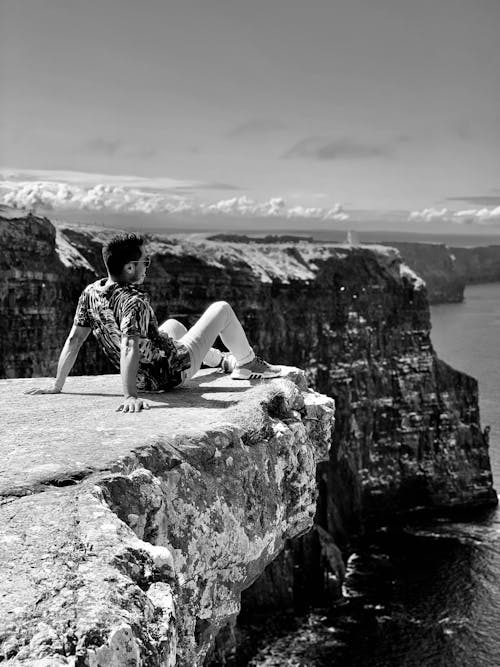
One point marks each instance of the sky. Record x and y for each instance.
(323, 112)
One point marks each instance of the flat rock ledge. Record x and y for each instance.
(126, 539)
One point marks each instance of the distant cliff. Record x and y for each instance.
(408, 433)
(432, 261)
(477, 265)
(448, 269)
(437, 266)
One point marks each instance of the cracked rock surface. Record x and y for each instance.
(127, 539)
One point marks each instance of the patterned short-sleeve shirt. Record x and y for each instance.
(113, 310)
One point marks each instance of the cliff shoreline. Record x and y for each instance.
(408, 431)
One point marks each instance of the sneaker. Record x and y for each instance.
(227, 363)
(256, 369)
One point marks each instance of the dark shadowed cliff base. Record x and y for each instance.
(408, 435)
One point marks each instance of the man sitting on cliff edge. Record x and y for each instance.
(149, 357)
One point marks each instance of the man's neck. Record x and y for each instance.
(113, 280)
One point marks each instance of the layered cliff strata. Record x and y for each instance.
(127, 539)
(448, 269)
(437, 265)
(356, 318)
(477, 265)
(41, 276)
(445, 269)
(408, 432)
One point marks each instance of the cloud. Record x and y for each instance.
(307, 194)
(274, 207)
(117, 147)
(247, 207)
(335, 213)
(84, 179)
(256, 127)
(66, 196)
(108, 147)
(431, 215)
(481, 200)
(109, 197)
(219, 186)
(481, 216)
(321, 148)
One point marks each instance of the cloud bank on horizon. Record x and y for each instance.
(58, 190)
(481, 216)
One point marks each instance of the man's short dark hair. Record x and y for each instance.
(120, 250)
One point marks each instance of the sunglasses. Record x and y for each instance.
(146, 261)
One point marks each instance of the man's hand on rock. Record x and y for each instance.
(39, 390)
(132, 404)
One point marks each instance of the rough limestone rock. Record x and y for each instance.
(357, 319)
(408, 433)
(128, 539)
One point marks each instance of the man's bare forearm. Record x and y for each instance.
(66, 361)
(129, 365)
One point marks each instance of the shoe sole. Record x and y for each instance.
(248, 375)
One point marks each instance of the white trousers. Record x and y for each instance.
(218, 320)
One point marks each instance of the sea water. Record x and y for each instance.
(427, 595)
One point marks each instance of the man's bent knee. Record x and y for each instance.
(173, 328)
(221, 306)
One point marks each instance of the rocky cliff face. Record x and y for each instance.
(477, 265)
(447, 269)
(408, 433)
(41, 276)
(436, 264)
(356, 318)
(127, 539)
